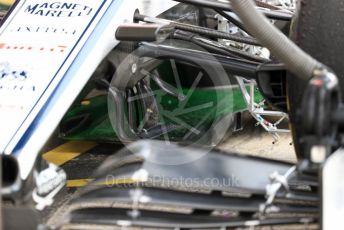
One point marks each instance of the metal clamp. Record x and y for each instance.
(277, 182)
(48, 183)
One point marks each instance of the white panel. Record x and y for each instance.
(333, 192)
(47, 123)
(33, 48)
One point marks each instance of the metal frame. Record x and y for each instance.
(257, 110)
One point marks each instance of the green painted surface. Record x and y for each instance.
(205, 106)
(4, 7)
(217, 104)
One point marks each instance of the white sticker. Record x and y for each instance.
(33, 47)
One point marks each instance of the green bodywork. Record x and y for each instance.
(210, 102)
(88, 119)
(91, 116)
(4, 6)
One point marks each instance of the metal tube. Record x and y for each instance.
(198, 30)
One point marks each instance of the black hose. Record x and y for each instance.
(234, 66)
(216, 47)
(227, 50)
(216, 34)
(199, 30)
(208, 47)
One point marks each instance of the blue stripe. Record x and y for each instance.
(59, 69)
(83, 54)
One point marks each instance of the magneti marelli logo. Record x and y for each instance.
(59, 9)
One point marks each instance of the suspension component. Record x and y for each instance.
(320, 101)
(196, 29)
(257, 110)
(148, 32)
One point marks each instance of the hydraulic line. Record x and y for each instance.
(191, 38)
(225, 6)
(242, 67)
(217, 34)
(295, 59)
(198, 30)
(217, 47)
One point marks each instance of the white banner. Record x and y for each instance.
(34, 45)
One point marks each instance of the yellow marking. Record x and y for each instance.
(78, 183)
(6, 2)
(110, 182)
(85, 103)
(67, 152)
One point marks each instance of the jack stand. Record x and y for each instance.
(258, 112)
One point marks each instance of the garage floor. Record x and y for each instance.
(255, 141)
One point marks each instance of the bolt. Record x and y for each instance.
(134, 68)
